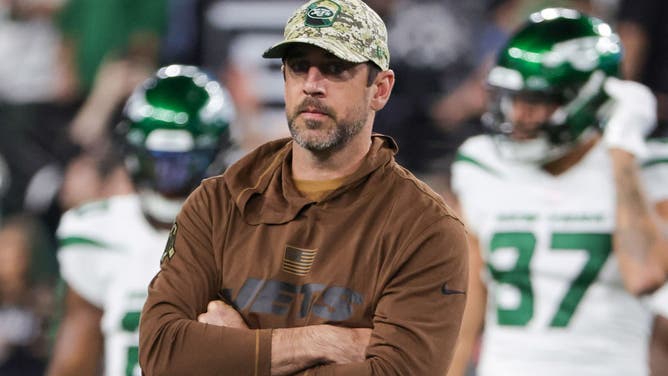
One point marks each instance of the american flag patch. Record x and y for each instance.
(298, 261)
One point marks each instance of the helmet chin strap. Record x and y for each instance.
(158, 207)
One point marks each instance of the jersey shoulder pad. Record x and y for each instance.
(476, 171)
(476, 161)
(480, 153)
(91, 244)
(98, 220)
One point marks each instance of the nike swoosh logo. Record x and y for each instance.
(446, 291)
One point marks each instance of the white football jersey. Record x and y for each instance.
(109, 253)
(556, 303)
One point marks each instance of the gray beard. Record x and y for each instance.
(334, 140)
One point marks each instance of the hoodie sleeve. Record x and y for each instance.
(172, 342)
(417, 320)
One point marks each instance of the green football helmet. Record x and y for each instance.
(175, 132)
(559, 56)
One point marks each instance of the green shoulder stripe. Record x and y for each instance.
(460, 157)
(95, 206)
(77, 240)
(653, 162)
(663, 140)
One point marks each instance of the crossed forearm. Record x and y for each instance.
(296, 349)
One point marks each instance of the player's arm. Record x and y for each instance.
(638, 242)
(171, 341)
(79, 342)
(662, 211)
(474, 313)
(656, 174)
(296, 349)
(417, 320)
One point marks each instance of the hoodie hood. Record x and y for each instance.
(263, 190)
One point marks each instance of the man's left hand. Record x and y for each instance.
(221, 314)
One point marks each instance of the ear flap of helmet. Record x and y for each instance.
(570, 120)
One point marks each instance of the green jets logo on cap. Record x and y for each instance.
(322, 13)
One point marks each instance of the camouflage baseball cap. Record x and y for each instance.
(349, 29)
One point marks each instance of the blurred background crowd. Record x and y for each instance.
(67, 67)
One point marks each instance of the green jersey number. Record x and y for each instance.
(597, 246)
(130, 323)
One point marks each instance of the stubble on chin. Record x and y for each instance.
(319, 139)
(323, 135)
(323, 138)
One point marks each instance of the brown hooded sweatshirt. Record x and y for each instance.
(383, 251)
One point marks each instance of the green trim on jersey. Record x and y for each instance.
(78, 240)
(130, 322)
(94, 206)
(460, 157)
(654, 162)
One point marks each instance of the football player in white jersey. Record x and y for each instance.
(565, 235)
(175, 132)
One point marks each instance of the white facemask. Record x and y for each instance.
(158, 207)
(538, 150)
